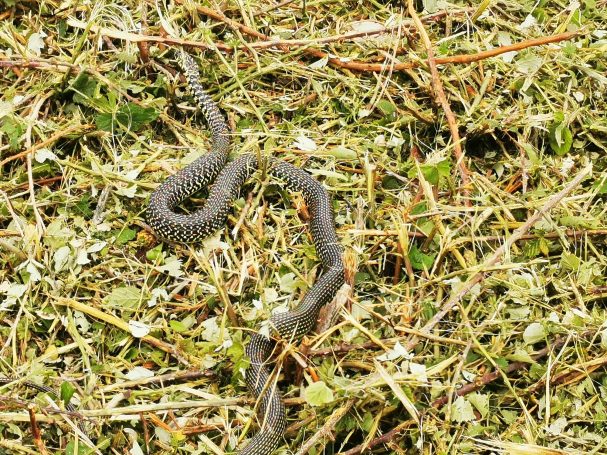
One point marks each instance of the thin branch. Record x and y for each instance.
(326, 431)
(55, 137)
(437, 85)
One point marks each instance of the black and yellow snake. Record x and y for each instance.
(225, 180)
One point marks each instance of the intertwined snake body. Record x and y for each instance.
(226, 180)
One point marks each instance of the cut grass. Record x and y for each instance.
(91, 121)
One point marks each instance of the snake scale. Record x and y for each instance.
(225, 180)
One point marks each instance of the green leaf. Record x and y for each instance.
(386, 107)
(129, 116)
(70, 449)
(178, 326)
(419, 260)
(509, 416)
(420, 208)
(14, 130)
(502, 363)
(480, 402)
(124, 236)
(570, 262)
(462, 411)
(124, 297)
(154, 253)
(444, 168)
(428, 310)
(317, 394)
(289, 283)
(433, 173)
(579, 222)
(520, 355)
(66, 392)
(430, 173)
(84, 206)
(600, 185)
(559, 135)
(342, 153)
(528, 64)
(85, 89)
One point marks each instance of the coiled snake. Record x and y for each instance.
(228, 178)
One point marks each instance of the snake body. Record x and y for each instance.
(69, 407)
(226, 179)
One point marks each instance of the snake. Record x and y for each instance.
(69, 407)
(224, 179)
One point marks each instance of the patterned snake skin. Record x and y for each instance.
(44, 389)
(228, 178)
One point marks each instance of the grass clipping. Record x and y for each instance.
(464, 150)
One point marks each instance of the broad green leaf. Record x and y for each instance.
(579, 222)
(289, 283)
(70, 449)
(61, 257)
(129, 116)
(528, 63)
(520, 355)
(509, 416)
(342, 153)
(84, 88)
(124, 297)
(600, 185)
(178, 326)
(13, 129)
(154, 253)
(386, 107)
(317, 394)
(419, 260)
(126, 235)
(570, 261)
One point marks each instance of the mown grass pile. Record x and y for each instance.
(149, 337)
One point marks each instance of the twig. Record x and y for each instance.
(497, 256)
(467, 389)
(168, 377)
(267, 9)
(137, 38)
(11, 210)
(55, 137)
(86, 308)
(442, 99)
(469, 58)
(513, 367)
(334, 61)
(30, 177)
(484, 238)
(386, 437)
(36, 431)
(355, 65)
(327, 429)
